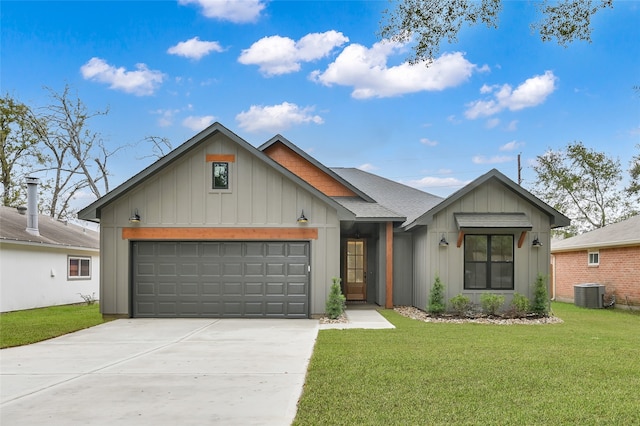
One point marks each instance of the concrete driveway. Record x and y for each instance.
(160, 372)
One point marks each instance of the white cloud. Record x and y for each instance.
(196, 123)
(195, 48)
(511, 146)
(229, 10)
(367, 167)
(281, 55)
(496, 159)
(166, 116)
(428, 142)
(276, 118)
(512, 126)
(428, 182)
(141, 82)
(532, 92)
(493, 122)
(367, 71)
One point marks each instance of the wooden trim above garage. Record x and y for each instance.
(229, 158)
(219, 233)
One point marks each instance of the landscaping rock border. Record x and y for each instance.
(418, 314)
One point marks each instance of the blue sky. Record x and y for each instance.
(317, 73)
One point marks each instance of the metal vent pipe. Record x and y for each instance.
(32, 206)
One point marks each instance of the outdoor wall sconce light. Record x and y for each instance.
(536, 242)
(443, 242)
(302, 218)
(135, 218)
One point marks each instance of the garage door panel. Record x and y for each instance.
(255, 289)
(254, 269)
(275, 289)
(276, 249)
(170, 269)
(296, 289)
(255, 250)
(211, 269)
(220, 279)
(231, 250)
(299, 269)
(275, 269)
(167, 289)
(231, 269)
(167, 249)
(210, 288)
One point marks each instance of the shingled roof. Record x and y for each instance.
(408, 203)
(13, 228)
(625, 233)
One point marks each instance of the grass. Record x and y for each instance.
(33, 325)
(584, 371)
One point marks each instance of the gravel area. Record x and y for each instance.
(417, 314)
(342, 319)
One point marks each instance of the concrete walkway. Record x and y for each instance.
(361, 318)
(158, 372)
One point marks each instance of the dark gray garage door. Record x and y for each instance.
(220, 279)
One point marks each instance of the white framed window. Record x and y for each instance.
(594, 258)
(78, 268)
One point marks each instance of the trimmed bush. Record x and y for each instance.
(491, 303)
(460, 305)
(436, 298)
(336, 303)
(520, 305)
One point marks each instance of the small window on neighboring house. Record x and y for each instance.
(594, 258)
(79, 268)
(220, 175)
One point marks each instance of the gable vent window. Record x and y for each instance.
(78, 268)
(220, 175)
(594, 258)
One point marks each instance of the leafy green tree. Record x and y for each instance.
(634, 173)
(585, 185)
(17, 148)
(430, 22)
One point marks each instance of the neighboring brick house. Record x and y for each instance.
(608, 256)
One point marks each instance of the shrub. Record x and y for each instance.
(460, 304)
(540, 297)
(336, 303)
(519, 305)
(436, 298)
(491, 303)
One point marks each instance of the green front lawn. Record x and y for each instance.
(33, 325)
(584, 371)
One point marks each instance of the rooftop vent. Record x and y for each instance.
(588, 295)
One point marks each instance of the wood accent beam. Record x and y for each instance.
(521, 239)
(229, 158)
(389, 269)
(460, 238)
(220, 233)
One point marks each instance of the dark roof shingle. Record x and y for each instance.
(13, 227)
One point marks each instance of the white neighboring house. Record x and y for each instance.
(45, 262)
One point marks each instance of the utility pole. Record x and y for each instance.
(519, 171)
